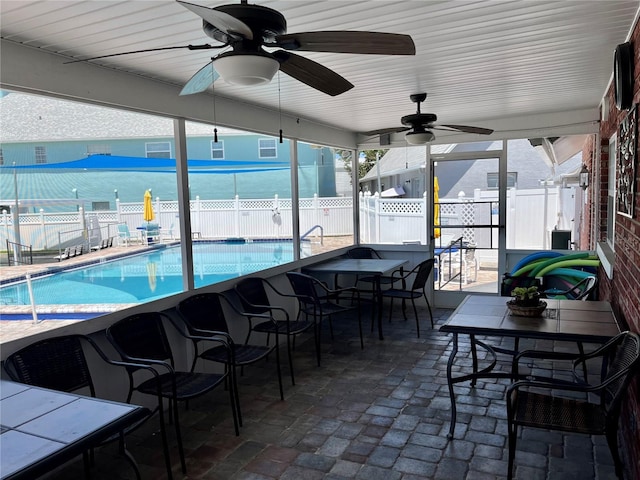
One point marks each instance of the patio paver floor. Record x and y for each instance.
(378, 413)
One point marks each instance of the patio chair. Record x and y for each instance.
(317, 301)
(60, 363)
(420, 274)
(142, 338)
(367, 252)
(125, 235)
(555, 405)
(580, 291)
(152, 233)
(203, 315)
(254, 294)
(66, 253)
(101, 246)
(357, 252)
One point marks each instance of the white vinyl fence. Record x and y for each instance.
(211, 219)
(531, 216)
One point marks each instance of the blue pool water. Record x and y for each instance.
(149, 275)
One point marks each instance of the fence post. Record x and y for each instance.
(376, 200)
(43, 228)
(197, 217)
(118, 216)
(236, 207)
(425, 217)
(5, 220)
(316, 210)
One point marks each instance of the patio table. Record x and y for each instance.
(41, 429)
(563, 320)
(374, 267)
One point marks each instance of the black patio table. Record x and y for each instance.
(562, 320)
(41, 429)
(375, 267)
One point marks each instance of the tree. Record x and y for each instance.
(366, 160)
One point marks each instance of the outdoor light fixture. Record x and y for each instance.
(584, 177)
(250, 69)
(419, 138)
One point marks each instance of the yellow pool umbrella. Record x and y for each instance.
(147, 213)
(436, 207)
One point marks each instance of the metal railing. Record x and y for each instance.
(19, 254)
(315, 227)
(444, 257)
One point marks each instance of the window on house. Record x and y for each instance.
(41, 154)
(512, 180)
(217, 150)
(611, 192)
(267, 148)
(98, 150)
(158, 150)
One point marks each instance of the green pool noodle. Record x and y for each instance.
(568, 263)
(551, 261)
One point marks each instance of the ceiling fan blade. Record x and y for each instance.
(206, 46)
(312, 73)
(463, 128)
(348, 42)
(201, 80)
(222, 21)
(384, 131)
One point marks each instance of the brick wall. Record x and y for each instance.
(623, 291)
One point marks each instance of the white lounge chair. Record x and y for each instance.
(64, 254)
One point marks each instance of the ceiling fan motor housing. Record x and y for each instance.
(419, 119)
(264, 22)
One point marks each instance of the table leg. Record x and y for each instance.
(452, 396)
(474, 358)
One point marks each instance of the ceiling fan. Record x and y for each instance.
(248, 29)
(419, 125)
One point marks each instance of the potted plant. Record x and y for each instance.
(526, 296)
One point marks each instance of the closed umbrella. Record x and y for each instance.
(436, 207)
(147, 213)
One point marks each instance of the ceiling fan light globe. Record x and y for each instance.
(246, 69)
(419, 138)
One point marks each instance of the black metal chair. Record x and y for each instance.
(60, 363)
(580, 291)
(555, 405)
(142, 339)
(317, 301)
(358, 252)
(420, 273)
(203, 314)
(254, 293)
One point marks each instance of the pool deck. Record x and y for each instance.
(14, 329)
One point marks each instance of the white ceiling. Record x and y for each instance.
(486, 63)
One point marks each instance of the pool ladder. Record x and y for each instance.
(315, 227)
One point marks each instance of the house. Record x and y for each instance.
(41, 131)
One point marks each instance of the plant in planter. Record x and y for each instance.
(526, 296)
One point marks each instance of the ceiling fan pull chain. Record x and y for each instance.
(279, 107)
(215, 122)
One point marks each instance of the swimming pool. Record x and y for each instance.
(148, 275)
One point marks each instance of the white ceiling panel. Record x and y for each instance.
(481, 62)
